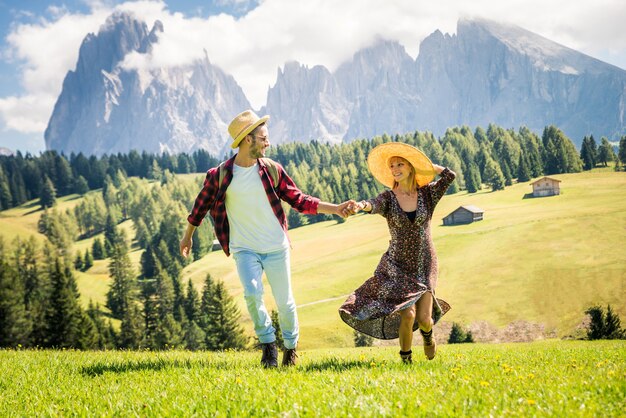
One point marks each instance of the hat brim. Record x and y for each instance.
(378, 163)
(249, 129)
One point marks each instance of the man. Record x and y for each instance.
(243, 196)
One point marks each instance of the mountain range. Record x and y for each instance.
(486, 73)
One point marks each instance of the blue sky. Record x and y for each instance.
(39, 40)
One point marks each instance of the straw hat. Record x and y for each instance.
(378, 162)
(243, 124)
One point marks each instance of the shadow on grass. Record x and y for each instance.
(98, 369)
(338, 365)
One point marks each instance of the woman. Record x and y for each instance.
(399, 298)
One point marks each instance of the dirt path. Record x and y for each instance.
(322, 301)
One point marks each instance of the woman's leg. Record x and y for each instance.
(425, 321)
(407, 319)
(425, 312)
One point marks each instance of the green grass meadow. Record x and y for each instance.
(541, 260)
(550, 378)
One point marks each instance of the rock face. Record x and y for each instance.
(104, 108)
(486, 73)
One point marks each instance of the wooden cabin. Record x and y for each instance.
(546, 186)
(464, 215)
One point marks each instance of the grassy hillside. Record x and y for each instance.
(542, 260)
(464, 380)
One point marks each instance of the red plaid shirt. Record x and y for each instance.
(212, 199)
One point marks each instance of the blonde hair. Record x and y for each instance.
(395, 183)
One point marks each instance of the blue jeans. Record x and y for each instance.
(250, 266)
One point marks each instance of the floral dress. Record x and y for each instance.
(406, 271)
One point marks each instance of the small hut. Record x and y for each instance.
(464, 215)
(546, 186)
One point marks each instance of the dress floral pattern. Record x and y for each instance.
(406, 271)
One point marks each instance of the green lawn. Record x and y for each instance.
(550, 378)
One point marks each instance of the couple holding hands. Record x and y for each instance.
(243, 197)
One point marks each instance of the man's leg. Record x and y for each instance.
(278, 271)
(250, 272)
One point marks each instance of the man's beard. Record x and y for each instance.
(256, 151)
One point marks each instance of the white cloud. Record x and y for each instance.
(19, 113)
(252, 47)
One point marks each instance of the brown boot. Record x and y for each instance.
(290, 358)
(430, 346)
(406, 356)
(270, 355)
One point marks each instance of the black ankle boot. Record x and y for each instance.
(406, 356)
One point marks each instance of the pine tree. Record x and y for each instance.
(105, 334)
(88, 260)
(493, 175)
(81, 186)
(588, 153)
(170, 333)
(622, 152)
(471, 183)
(194, 337)
(605, 152)
(63, 317)
(6, 200)
(457, 335)
(192, 303)
(15, 324)
(121, 271)
(597, 324)
(87, 337)
(97, 249)
(48, 194)
(612, 325)
(111, 234)
(37, 288)
(220, 318)
(523, 172)
(78, 262)
(132, 329)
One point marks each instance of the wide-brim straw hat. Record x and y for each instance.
(243, 124)
(378, 162)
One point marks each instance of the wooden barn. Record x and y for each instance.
(464, 215)
(546, 186)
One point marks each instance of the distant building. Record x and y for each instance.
(546, 186)
(464, 215)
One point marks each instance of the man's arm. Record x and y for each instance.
(201, 206)
(187, 241)
(343, 209)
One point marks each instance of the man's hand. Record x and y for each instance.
(346, 208)
(187, 241)
(185, 246)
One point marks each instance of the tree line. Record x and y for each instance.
(40, 306)
(494, 157)
(27, 177)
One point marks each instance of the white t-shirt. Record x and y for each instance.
(253, 224)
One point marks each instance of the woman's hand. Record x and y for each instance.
(438, 168)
